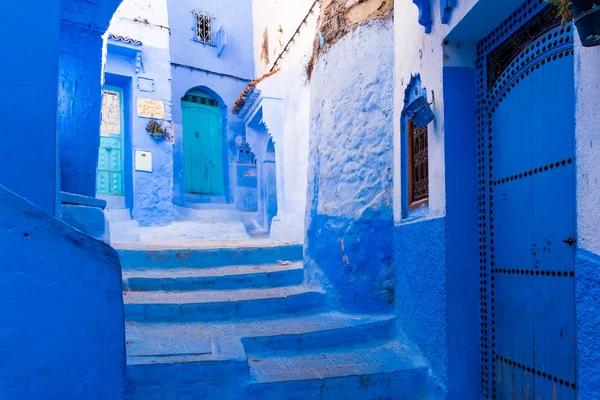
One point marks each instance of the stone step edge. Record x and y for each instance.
(221, 278)
(379, 328)
(208, 297)
(205, 272)
(406, 384)
(307, 301)
(417, 362)
(210, 257)
(230, 347)
(224, 349)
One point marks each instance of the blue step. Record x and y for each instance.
(185, 372)
(389, 370)
(192, 360)
(143, 258)
(319, 331)
(221, 305)
(231, 277)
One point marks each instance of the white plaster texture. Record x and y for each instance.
(280, 18)
(289, 121)
(351, 124)
(144, 20)
(296, 127)
(587, 134)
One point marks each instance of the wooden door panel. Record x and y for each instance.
(109, 179)
(203, 149)
(528, 167)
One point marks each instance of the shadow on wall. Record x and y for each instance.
(63, 309)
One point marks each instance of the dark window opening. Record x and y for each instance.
(204, 27)
(418, 167)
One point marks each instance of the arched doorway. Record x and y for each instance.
(202, 143)
(527, 115)
(269, 185)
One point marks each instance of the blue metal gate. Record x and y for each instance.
(527, 207)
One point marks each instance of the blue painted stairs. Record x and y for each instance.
(244, 323)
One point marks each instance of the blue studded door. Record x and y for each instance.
(527, 207)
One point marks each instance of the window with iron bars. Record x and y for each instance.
(204, 27)
(418, 166)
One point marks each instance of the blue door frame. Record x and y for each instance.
(526, 158)
(203, 144)
(109, 175)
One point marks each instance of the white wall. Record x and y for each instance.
(587, 133)
(282, 18)
(144, 20)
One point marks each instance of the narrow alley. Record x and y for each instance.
(300, 199)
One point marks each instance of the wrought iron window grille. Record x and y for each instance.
(203, 27)
(418, 166)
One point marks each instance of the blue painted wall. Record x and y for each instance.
(238, 57)
(349, 211)
(79, 107)
(61, 289)
(28, 160)
(462, 236)
(78, 118)
(420, 275)
(587, 294)
(62, 324)
(197, 66)
(85, 214)
(147, 194)
(435, 259)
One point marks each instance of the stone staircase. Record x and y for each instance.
(122, 227)
(244, 323)
(190, 224)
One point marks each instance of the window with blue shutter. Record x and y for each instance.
(220, 41)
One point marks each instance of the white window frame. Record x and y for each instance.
(211, 20)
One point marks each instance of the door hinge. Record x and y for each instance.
(570, 241)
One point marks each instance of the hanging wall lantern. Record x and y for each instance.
(419, 112)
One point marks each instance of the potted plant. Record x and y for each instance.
(586, 16)
(156, 130)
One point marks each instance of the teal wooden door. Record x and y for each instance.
(109, 177)
(203, 145)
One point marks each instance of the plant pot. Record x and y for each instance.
(586, 16)
(419, 112)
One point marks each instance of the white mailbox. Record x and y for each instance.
(143, 161)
